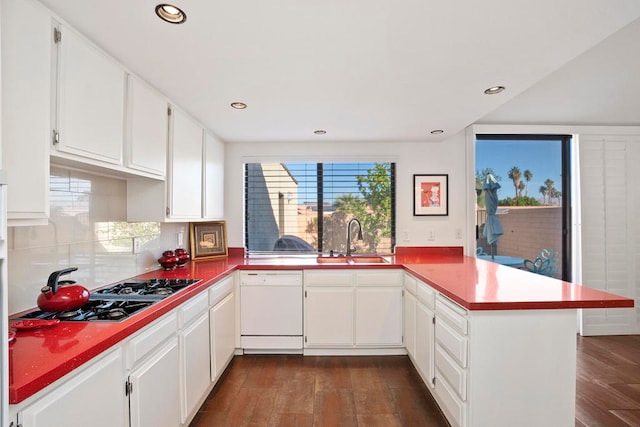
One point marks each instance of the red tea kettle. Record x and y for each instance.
(62, 295)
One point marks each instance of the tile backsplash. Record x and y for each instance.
(87, 229)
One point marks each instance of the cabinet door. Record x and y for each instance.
(147, 129)
(91, 89)
(425, 343)
(213, 182)
(195, 364)
(155, 395)
(223, 334)
(410, 323)
(185, 175)
(329, 316)
(95, 396)
(379, 316)
(26, 107)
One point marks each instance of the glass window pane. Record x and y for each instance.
(530, 204)
(283, 202)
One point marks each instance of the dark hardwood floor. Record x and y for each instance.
(386, 391)
(303, 391)
(608, 381)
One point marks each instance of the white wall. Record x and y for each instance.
(445, 157)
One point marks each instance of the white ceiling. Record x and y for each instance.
(376, 70)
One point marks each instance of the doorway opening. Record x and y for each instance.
(533, 209)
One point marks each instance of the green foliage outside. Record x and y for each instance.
(519, 201)
(372, 207)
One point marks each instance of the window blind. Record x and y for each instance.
(305, 207)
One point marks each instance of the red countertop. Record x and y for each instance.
(39, 357)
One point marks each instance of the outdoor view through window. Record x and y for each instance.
(305, 207)
(519, 205)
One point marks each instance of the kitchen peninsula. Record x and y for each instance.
(501, 341)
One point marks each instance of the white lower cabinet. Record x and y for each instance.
(153, 383)
(94, 396)
(353, 309)
(328, 316)
(419, 327)
(193, 336)
(195, 365)
(425, 336)
(409, 326)
(222, 318)
(379, 316)
(154, 391)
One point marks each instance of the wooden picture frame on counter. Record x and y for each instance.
(430, 195)
(208, 240)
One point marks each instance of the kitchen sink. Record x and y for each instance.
(332, 260)
(357, 259)
(364, 259)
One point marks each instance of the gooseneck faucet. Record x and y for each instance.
(349, 234)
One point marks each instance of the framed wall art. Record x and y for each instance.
(208, 239)
(430, 195)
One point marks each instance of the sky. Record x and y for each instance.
(542, 158)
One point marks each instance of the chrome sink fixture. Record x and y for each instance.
(349, 233)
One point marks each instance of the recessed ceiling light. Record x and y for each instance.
(320, 132)
(170, 13)
(493, 90)
(239, 105)
(437, 131)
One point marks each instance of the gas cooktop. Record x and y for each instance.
(151, 289)
(118, 302)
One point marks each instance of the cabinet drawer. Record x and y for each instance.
(450, 403)
(192, 309)
(271, 278)
(150, 338)
(220, 290)
(452, 313)
(450, 371)
(338, 278)
(426, 295)
(410, 284)
(379, 278)
(454, 343)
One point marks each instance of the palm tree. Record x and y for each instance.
(550, 189)
(528, 175)
(521, 187)
(543, 191)
(515, 175)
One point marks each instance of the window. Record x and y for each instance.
(534, 206)
(305, 207)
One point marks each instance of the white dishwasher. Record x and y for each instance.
(271, 311)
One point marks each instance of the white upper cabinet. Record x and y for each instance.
(179, 198)
(213, 178)
(90, 100)
(185, 174)
(146, 129)
(26, 109)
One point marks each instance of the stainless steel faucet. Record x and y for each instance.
(349, 234)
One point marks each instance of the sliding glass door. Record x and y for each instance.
(530, 228)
